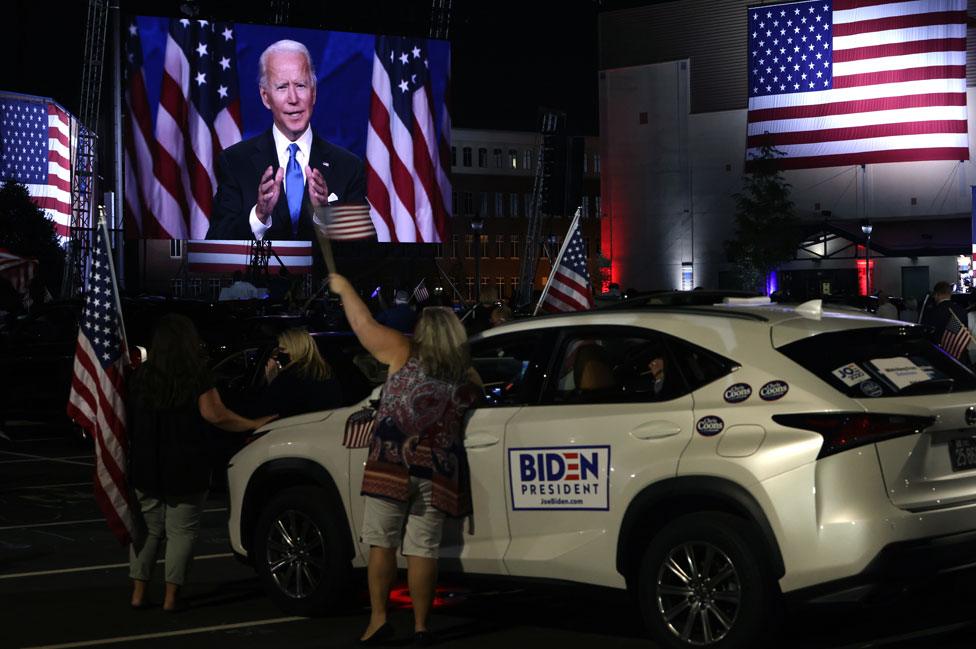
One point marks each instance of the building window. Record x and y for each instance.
(195, 287)
(515, 246)
(468, 243)
(213, 283)
(500, 243)
(484, 286)
(175, 248)
(528, 204)
(497, 154)
(466, 156)
(513, 158)
(499, 207)
(176, 286)
(527, 159)
(596, 207)
(513, 203)
(585, 204)
(482, 204)
(500, 287)
(467, 207)
(454, 246)
(482, 157)
(515, 284)
(596, 163)
(453, 156)
(484, 246)
(469, 283)
(454, 202)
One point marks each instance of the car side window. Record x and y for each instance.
(699, 366)
(606, 366)
(509, 367)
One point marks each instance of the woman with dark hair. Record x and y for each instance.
(171, 395)
(299, 379)
(416, 470)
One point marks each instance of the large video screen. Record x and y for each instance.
(240, 132)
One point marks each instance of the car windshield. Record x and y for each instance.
(881, 362)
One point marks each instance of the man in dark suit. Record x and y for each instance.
(268, 186)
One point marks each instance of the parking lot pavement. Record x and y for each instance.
(63, 583)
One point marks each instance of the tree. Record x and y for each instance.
(767, 230)
(26, 232)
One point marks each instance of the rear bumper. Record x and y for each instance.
(897, 566)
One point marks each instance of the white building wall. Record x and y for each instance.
(651, 177)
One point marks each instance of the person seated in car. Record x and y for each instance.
(299, 379)
(591, 369)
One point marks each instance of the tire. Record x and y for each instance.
(299, 552)
(703, 583)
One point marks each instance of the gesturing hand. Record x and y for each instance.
(269, 189)
(318, 188)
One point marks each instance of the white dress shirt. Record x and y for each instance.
(281, 143)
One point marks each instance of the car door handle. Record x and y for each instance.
(480, 440)
(656, 430)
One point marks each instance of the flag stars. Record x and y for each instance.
(404, 58)
(222, 91)
(228, 33)
(184, 22)
(225, 63)
(403, 86)
(201, 78)
(416, 52)
(202, 49)
(133, 30)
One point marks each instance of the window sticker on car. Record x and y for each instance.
(851, 374)
(773, 390)
(738, 393)
(560, 478)
(871, 389)
(901, 372)
(710, 425)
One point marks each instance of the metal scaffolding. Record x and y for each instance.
(85, 170)
(553, 123)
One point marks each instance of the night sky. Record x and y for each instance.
(510, 57)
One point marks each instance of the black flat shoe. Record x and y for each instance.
(423, 639)
(379, 636)
(141, 606)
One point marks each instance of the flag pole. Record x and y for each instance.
(115, 284)
(320, 221)
(558, 260)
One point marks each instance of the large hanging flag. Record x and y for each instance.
(37, 151)
(216, 256)
(97, 398)
(406, 184)
(568, 288)
(845, 82)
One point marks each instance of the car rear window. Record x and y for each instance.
(881, 362)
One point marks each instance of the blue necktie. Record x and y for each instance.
(294, 187)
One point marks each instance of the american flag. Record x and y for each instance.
(199, 116)
(97, 398)
(36, 151)
(420, 293)
(569, 284)
(847, 82)
(350, 223)
(955, 337)
(359, 428)
(406, 182)
(216, 256)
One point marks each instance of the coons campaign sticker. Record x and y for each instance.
(574, 477)
(710, 425)
(738, 393)
(773, 390)
(871, 389)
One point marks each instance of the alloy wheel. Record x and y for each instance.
(295, 553)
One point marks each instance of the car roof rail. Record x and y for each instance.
(719, 312)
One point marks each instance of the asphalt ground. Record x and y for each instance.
(63, 583)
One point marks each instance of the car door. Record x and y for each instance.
(615, 416)
(510, 367)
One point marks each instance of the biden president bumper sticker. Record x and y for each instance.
(573, 477)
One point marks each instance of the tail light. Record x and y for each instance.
(845, 430)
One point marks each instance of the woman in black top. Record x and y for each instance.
(171, 396)
(299, 379)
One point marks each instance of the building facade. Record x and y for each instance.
(673, 128)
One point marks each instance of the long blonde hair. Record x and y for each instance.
(304, 354)
(441, 344)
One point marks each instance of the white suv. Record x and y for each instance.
(780, 452)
